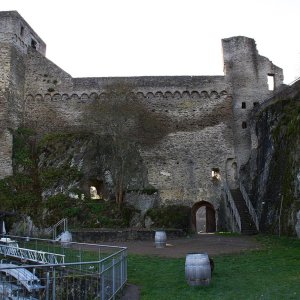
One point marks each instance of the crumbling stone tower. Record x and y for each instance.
(16, 37)
(253, 78)
(195, 163)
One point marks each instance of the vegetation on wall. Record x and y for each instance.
(287, 141)
(123, 123)
(87, 213)
(282, 121)
(21, 193)
(24, 147)
(47, 165)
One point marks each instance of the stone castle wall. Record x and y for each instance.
(199, 107)
(207, 113)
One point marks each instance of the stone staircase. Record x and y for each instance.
(248, 226)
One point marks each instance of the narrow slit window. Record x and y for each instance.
(33, 43)
(244, 125)
(243, 105)
(271, 82)
(22, 31)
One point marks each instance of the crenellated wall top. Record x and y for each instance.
(159, 95)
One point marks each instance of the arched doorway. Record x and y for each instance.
(203, 217)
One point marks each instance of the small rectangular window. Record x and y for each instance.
(271, 82)
(244, 125)
(244, 105)
(22, 31)
(215, 173)
(33, 43)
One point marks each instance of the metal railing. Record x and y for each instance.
(234, 211)
(62, 224)
(89, 271)
(31, 255)
(250, 206)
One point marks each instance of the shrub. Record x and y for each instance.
(173, 216)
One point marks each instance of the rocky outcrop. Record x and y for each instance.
(272, 175)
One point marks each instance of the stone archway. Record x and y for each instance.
(203, 217)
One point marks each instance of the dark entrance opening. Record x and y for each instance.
(97, 184)
(203, 217)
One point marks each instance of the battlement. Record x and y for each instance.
(14, 29)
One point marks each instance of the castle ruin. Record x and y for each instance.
(195, 165)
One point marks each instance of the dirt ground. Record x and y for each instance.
(211, 244)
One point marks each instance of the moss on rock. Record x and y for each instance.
(279, 131)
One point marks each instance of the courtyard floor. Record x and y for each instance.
(212, 244)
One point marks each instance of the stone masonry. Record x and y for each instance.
(209, 113)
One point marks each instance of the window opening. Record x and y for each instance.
(243, 104)
(271, 82)
(94, 193)
(22, 30)
(215, 173)
(33, 43)
(244, 125)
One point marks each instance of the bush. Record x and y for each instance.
(106, 215)
(52, 176)
(173, 216)
(24, 147)
(58, 207)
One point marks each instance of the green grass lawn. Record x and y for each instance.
(271, 273)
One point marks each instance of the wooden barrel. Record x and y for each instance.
(160, 239)
(197, 269)
(66, 238)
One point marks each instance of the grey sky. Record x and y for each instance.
(160, 37)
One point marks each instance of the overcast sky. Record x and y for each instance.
(96, 38)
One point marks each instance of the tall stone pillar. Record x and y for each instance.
(5, 135)
(5, 154)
